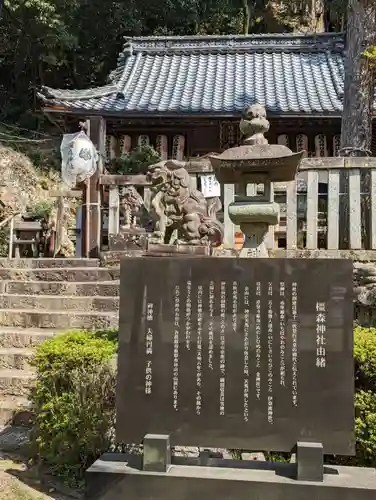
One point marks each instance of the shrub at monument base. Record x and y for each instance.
(365, 429)
(365, 402)
(75, 401)
(365, 358)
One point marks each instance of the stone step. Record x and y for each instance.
(56, 303)
(21, 338)
(83, 289)
(47, 263)
(16, 383)
(73, 274)
(15, 358)
(24, 318)
(15, 410)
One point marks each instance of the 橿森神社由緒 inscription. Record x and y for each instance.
(236, 353)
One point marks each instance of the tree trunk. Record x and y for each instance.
(317, 9)
(246, 16)
(356, 130)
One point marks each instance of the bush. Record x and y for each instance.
(136, 161)
(365, 358)
(75, 402)
(74, 399)
(365, 424)
(41, 210)
(365, 400)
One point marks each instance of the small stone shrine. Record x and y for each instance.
(238, 353)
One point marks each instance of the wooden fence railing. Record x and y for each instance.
(338, 209)
(348, 215)
(331, 204)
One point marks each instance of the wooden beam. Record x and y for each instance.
(200, 165)
(291, 216)
(355, 255)
(333, 209)
(228, 197)
(312, 209)
(336, 162)
(124, 180)
(321, 163)
(91, 203)
(27, 226)
(69, 193)
(355, 223)
(114, 211)
(197, 166)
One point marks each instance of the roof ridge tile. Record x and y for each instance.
(226, 43)
(46, 93)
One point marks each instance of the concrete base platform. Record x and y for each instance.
(120, 477)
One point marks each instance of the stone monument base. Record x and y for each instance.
(121, 477)
(121, 246)
(128, 239)
(176, 250)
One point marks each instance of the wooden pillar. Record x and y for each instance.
(91, 202)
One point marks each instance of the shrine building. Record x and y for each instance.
(184, 95)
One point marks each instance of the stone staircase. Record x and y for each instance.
(40, 298)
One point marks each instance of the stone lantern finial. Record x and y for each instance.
(254, 125)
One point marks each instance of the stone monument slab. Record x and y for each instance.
(237, 353)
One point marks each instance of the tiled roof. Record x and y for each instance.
(217, 75)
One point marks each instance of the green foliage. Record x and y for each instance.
(365, 401)
(41, 210)
(4, 242)
(74, 400)
(236, 454)
(136, 161)
(365, 358)
(365, 424)
(75, 43)
(44, 160)
(370, 54)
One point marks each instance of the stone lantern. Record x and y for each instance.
(255, 162)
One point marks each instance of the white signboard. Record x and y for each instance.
(210, 187)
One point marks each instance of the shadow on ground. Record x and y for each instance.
(37, 483)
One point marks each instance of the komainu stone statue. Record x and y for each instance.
(130, 203)
(177, 206)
